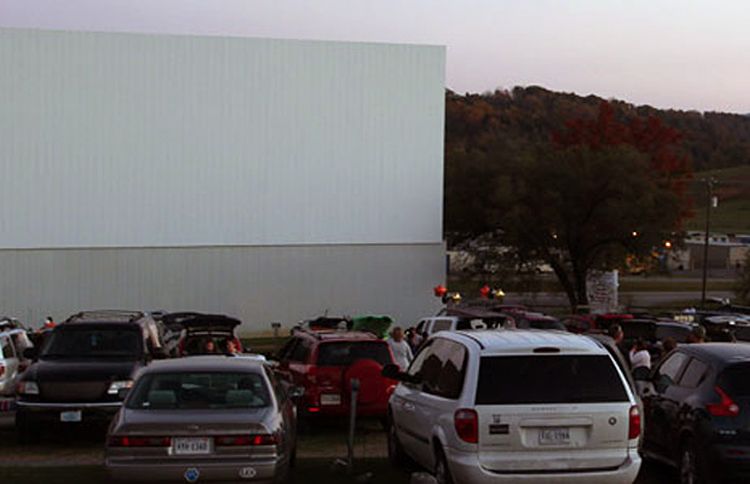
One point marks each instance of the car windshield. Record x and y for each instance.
(344, 353)
(99, 342)
(520, 380)
(199, 391)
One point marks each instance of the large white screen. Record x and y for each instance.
(112, 140)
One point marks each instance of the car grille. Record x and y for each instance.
(73, 391)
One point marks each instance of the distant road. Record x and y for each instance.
(636, 299)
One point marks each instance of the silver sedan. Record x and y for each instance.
(206, 418)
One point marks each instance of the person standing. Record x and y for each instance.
(400, 348)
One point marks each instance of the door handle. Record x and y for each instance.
(409, 407)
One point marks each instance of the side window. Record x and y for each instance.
(454, 369)
(694, 374)
(418, 362)
(301, 351)
(670, 369)
(277, 386)
(421, 326)
(441, 325)
(7, 348)
(286, 350)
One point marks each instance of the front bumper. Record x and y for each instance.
(123, 469)
(465, 467)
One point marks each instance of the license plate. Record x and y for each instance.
(191, 445)
(330, 399)
(71, 416)
(554, 436)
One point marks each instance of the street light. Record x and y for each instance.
(711, 201)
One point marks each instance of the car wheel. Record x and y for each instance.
(396, 454)
(442, 472)
(691, 471)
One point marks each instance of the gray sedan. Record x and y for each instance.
(206, 418)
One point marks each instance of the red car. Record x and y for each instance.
(325, 362)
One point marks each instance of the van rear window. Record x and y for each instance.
(735, 380)
(519, 380)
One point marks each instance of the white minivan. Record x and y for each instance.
(515, 406)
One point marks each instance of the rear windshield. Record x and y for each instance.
(735, 380)
(94, 342)
(517, 380)
(344, 353)
(200, 391)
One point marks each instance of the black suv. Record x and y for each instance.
(84, 369)
(697, 411)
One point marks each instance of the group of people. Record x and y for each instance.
(210, 348)
(638, 354)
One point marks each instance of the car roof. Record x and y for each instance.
(334, 335)
(204, 363)
(719, 353)
(526, 340)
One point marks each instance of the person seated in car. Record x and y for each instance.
(210, 347)
(231, 348)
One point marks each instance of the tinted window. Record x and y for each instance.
(441, 325)
(94, 342)
(694, 374)
(286, 350)
(516, 380)
(735, 380)
(345, 353)
(415, 368)
(671, 367)
(301, 351)
(199, 390)
(450, 380)
(639, 329)
(679, 334)
(7, 348)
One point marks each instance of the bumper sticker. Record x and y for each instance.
(192, 474)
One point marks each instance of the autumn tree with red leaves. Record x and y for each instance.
(600, 190)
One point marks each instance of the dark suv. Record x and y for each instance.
(697, 412)
(84, 369)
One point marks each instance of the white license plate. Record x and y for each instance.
(71, 416)
(554, 436)
(330, 399)
(191, 445)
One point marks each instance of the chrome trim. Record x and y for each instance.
(70, 405)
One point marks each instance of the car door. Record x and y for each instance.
(660, 401)
(679, 400)
(403, 406)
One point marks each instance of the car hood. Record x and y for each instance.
(81, 370)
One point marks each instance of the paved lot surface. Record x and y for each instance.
(75, 455)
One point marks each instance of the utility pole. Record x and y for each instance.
(709, 202)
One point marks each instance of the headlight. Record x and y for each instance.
(116, 386)
(28, 388)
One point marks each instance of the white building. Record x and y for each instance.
(267, 179)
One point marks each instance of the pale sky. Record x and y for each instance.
(686, 54)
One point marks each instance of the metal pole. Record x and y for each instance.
(352, 423)
(709, 196)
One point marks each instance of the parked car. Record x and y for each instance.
(512, 406)
(13, 343)
(588, 323)
(189, 333)
(697, 412)
(325, 362)
(77, 376)
(208, 418)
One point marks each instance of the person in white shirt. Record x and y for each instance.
(639, 356)
(400, 348)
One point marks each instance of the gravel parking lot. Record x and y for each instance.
(75, 456)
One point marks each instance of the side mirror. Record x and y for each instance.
(30, 353)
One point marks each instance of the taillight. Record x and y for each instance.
(130, 441)
(726, 406)
(246, 440)
(466, 422)
(634, 426)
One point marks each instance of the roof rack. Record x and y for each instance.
(118, 315)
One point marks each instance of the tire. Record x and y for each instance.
(396, 455)
(691, 466)
(442, 471)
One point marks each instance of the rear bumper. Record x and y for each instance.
(232, 471)
(730, 461)
(47, 413)
(465, 467)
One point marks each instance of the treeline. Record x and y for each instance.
(533, 114)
